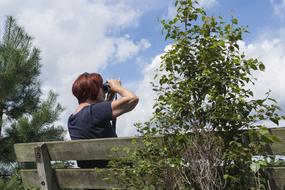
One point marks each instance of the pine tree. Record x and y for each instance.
(27, 118)
(19, 71)
(37, 127)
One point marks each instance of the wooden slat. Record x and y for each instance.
(100, 149)
(103, 149)
(278, 148)
(95, 149)
(277, 178)
(92, 178)
(75, 178)
(30, 178)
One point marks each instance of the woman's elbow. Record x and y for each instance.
(134, 102)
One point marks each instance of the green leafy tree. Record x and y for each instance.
(205, 110)
(19, 71)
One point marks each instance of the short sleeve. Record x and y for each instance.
(102, 111)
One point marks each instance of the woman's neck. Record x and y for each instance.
(84, 104)
(90, 101)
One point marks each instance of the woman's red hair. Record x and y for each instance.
(87, 86)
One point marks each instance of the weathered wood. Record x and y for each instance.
(278, 148)
(277, 178)
(99, 149)
(75, 178)
(94, 178)
(95, 149)
(30, 178)
(45, 172)
(103, 149)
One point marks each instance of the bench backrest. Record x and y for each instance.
(97, 149)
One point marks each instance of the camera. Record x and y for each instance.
(106, 87)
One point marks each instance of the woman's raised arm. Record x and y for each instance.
(126, 103)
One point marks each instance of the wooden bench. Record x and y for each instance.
(47, 178)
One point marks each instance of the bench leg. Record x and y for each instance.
(46, 174)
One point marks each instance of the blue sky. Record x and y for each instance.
(123, 39)
(257, 15)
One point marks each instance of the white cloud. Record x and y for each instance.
(144, 43)
(278, 8)
(126, 48)
(74, 37)
(73, 34)
(270, 49)
(144, 109)
(143, 89)
(171, 10)
(207, 3)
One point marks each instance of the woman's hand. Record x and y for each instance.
(115, 85)
(126, 102)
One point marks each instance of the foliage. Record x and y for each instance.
(13, 182)
(27, 118)
(19, 69)
(211, 124)
(37, 127)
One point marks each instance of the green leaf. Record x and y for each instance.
(263, 130)
(176, 3)
(235, 21)
(254, 166)
(274, 120)
(261, 67)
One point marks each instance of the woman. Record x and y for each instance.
(92, 117)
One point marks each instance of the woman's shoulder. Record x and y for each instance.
(101, 110)
(100, 104)
(79, 110)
